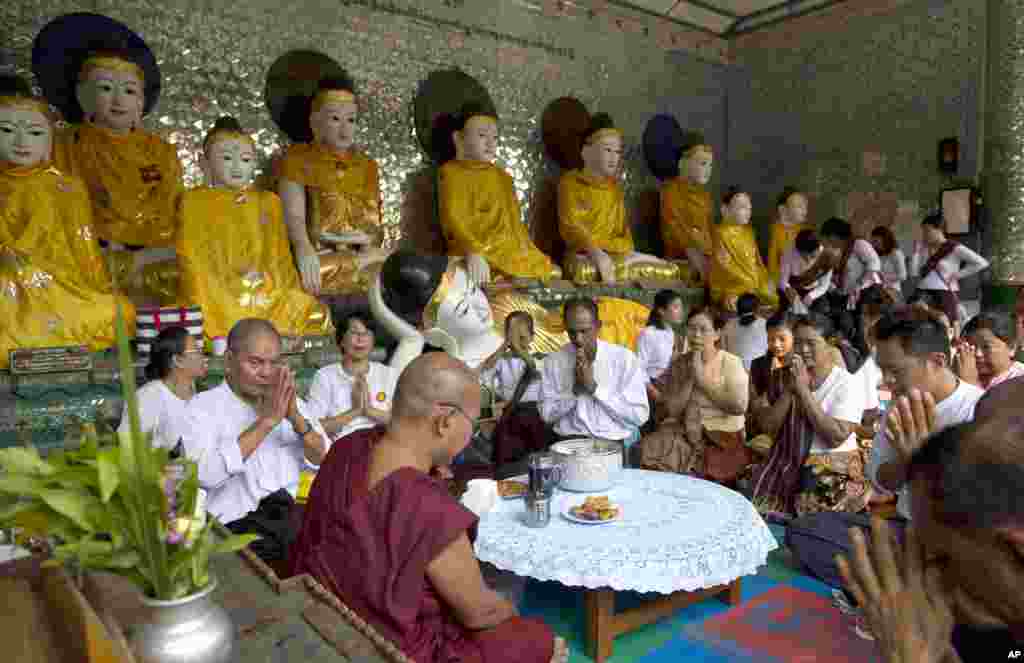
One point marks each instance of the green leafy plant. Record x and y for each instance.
(116, 503)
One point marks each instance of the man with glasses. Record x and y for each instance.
(591, 388)
(251, 437)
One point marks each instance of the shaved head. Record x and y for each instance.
(432, 379)
(248, 328)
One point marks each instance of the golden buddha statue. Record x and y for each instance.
(479, 210)
(55, 284)
(233, 248)
(792, 208)
(686, 207)
(736, 266)
(336, 229)
(104, 79)
(592, 216)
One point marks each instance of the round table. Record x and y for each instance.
(679, 536)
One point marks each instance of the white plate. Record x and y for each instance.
(567, 514)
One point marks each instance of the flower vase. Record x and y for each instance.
(192, 629)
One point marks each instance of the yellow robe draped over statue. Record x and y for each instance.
(134, 181)
(54, 286)
(736, 265)
(782, 240)
(236, 262)
(343, 197)
(480, 214)
(686, 218)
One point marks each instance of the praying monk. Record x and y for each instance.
(395, 546)
(479, 209)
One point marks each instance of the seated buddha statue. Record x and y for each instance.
(331, 195)
(104, 79)
(736, 266)
(592, 216)
(233, 248)
(479, 210)
(686, 207)
(55, 284)
(792, 209)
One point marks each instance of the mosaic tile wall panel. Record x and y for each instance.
(851, 108)
(214, 58)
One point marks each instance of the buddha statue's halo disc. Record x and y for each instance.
(663, 141)
(439, 98)
(563, 124)
(291, 85)
(62, 46)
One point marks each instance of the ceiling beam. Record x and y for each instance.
(701, 4)
(740, 27)
(621, 4)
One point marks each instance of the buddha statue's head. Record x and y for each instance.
(26, 126)
(602, 147)
(696, 160)
(333, 114)
(736, 206)
(792, 207)
(475, 133)
(229, 155)
(111, 91)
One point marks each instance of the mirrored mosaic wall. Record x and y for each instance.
(214, 58)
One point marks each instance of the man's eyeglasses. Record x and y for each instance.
(474, 423)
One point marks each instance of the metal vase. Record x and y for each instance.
(193, 629)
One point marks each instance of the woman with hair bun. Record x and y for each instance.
(176, 361)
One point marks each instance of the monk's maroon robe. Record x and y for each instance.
(372, 549)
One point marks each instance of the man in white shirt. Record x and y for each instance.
(251, 436)
(591, 388)
(914, 355)
(355, 393)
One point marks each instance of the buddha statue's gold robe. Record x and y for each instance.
(480, 214)
(782, 240)
(592, 215)
(686, 218)
(54, 286)
(343, 196)
(134, 181)
(736, 265)
(236, 262)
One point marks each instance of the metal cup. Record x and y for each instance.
(544, 473)
(538, 509)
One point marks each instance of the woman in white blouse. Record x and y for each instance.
(894, 263)
(941, 263)
(176, 361)
(746, 335)
(657, 341)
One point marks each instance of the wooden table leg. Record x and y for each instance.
(599, 605)
(733, 595)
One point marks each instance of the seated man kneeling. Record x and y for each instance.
(394, 545)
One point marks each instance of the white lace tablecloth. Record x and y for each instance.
(676, 533)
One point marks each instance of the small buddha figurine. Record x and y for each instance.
(736, 266)
(331, 195)
(104, 79)
(233, 248)
(792, 209)
(479, 210)
(592, 216)
(55, 284)
(686, 207)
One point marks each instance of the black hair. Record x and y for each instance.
(717, 319)
(920, 334)
(837, 228)
(597, 123)
(887, 239)
(979, 494)
(818, 322)
(336, 83)
(246, 328)
(580, 301)
(746, 308)
(782, 319)
(787, 193)
(663, 299)
(408, 281)
(934, 220)
(223, 123)
(345, 322)
(731, 193)
(1002, 325)
(14, 86)
(168, 344)
(470, 110)
(807, 242)
(928, 298)
(875, 300)
(520, 315)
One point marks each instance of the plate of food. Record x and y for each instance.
(595, 510)
(511, 490)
